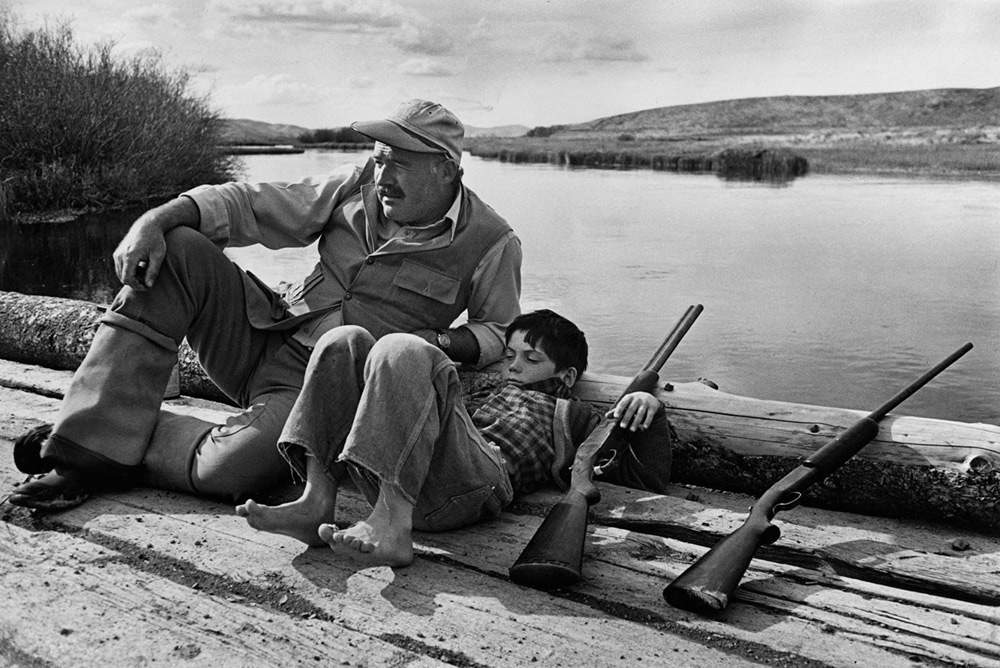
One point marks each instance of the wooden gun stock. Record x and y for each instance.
(554, 555)
(706, 585)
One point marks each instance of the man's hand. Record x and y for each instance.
(140, 254)
(635, 411)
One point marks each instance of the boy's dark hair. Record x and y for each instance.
(558, 337)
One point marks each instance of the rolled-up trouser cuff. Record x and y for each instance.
(101, 472)
(142, 329)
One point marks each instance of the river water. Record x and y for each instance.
(826, 290)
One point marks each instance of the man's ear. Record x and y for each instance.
(568, 375)
(450, 171)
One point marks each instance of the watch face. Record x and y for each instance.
(443, 340)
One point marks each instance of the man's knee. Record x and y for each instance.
(183, 242)
(394, 348)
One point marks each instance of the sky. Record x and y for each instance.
(325, 63)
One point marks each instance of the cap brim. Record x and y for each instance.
(389, 133)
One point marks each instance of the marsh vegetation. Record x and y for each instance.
(85, 129)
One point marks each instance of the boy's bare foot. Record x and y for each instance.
(373, 545)
(385, 538)
(298, 519)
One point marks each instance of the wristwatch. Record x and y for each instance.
(443, 339)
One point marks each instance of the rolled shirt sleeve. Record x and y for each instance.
(495, 298)
(275, 215)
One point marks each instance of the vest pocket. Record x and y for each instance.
(428, 282)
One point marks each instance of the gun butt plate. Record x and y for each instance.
(696, 600)
(544, 575)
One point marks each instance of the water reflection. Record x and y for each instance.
(69, 259)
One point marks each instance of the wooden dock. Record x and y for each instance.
(149, 577)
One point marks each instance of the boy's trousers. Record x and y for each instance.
(392, 410)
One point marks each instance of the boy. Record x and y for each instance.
(415, 452)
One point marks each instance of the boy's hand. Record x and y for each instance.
(635, 411)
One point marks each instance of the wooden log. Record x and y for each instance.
(917, 467)
(941, 470)
(56, 333)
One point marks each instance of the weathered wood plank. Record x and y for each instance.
(934, 559)
(459, 585)
(926, 562)
(69, 601)
(438, 608)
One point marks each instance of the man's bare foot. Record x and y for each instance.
(385, 537)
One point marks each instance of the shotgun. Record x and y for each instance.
(706, 585)
(554, 555)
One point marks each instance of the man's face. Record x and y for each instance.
(413, 188)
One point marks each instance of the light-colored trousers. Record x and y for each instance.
(392, 410)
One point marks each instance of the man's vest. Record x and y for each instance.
(394, 291)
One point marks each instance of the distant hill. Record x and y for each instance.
(960, 108)
(944, 112)
(247, 131)
(498, 131)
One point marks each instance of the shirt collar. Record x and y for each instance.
(449, 220)
(553, 386)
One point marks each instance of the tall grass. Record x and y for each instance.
(83, 129)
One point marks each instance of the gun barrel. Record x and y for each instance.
(666, 348)
(905, 393)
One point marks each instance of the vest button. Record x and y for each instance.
(370, 260)
(347, 295)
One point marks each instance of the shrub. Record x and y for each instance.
(80, 128)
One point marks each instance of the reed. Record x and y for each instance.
(84, 129)
(751, 162)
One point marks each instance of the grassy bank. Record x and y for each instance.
(748, 161)
(84, 129)
(971, 160)
(753, 157)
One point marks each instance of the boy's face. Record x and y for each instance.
(527, 364)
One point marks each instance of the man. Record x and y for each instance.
(404, 247)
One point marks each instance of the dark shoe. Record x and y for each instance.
(78, 474)
(52, 491)
(28, 451)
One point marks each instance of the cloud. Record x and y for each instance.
(424, 37)
(424, 67)
(570, 48)
(314, 14)
(275, 89)
(360, 82)
(402, 28)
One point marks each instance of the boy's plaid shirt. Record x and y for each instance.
(518, 420)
